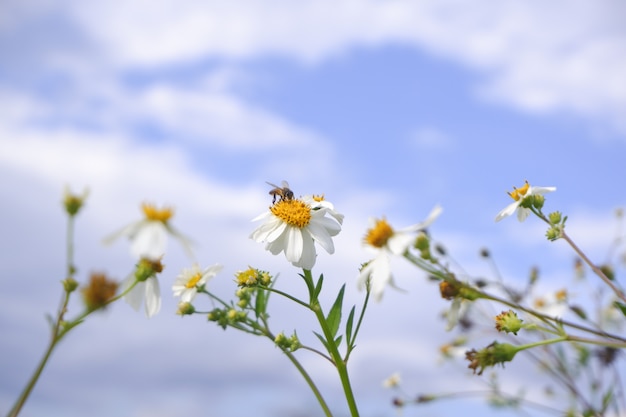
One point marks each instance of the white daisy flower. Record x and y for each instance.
(292, 225)
(149, 236)
(386, 242)
(187, 283)
(519, 194)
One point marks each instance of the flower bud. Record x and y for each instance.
(495, 353)
(508, 322)
(147, 268)
(69, 284)
(538, 201)
(555, 217)
(185, 309)
(74, 202)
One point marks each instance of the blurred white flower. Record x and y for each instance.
(386, 242)
(148, 236)
(519, 194)
(187, 282)
(149, 289)
(292, 225)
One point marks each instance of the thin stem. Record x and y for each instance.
(584, 257)
(56, 335)
(310, 382)
(292, 298)
(595, 269)
(70, 246)
(339, 362)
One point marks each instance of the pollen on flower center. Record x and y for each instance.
(519, 192)
(379, 234)
(293, 212)
(191, 282)
(152, 213)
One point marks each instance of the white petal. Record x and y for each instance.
(380, 276)
(150, 241)
(135, 296)
(261, 233)
(540, 190)
(399, 242)
(128, 231)
(432, 216)
(153, 297)
(510, 209)
(293, 246)
(321, 236)
(522, 213)
(308, 257)
(188, 295)
(331, 226)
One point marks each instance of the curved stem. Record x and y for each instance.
(310, 382)
(339, 362)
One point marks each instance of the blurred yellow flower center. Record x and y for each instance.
(152, 213)
(191, 282)
(318, 198)
(519, 192)
(293, 212)
(247, 277)
(378, 235)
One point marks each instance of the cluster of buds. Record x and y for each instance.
(227, 317)
(252, 277)
(289, 344)
(557, 225)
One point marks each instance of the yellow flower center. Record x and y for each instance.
(293, 212)
(519, 192)
(318, 198)
(247, 277)
(379, 234)
(152, 213)
(191, 282)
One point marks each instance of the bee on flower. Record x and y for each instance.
(293, 225)
(385, 242)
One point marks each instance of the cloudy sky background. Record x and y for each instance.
(387, 108)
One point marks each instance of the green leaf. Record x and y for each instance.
(260, 304)
(334, 315)
(338, 340)
(321, 338)
(318, 286)
(607, 399)
(349, 326)
(620, 306)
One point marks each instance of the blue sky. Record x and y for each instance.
(386, 107)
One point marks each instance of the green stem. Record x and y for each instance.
(310, 382)
(543, 342)
(584, 257)
(56, 335)
(339, 362)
